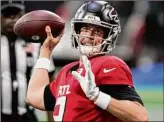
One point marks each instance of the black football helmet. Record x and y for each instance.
(99, 13)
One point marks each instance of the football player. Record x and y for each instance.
(95, 88)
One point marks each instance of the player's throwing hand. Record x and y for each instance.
(51, 41)
(87, 83)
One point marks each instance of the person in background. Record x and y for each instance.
(17, 60)
(98, 87)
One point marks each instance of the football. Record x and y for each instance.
(31, 26)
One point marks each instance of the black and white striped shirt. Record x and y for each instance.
(17, 61)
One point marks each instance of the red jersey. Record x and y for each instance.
(72, 103)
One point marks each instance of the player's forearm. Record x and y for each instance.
(39, 80)
(45, 52)
(127, 110)
(36, 87)
(40, 77)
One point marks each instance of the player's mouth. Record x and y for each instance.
(88, 44)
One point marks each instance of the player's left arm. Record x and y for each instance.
(124, 103)
(125, 110)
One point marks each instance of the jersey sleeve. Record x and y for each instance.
(49, 96)
(121, 92)
(114, 71)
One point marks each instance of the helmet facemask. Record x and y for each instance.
(107, 45)
(111, 30)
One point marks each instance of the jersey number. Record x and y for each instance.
(61, 101)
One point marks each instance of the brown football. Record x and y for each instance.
(31, 26)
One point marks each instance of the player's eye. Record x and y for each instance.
(84, 29)
(98, 32)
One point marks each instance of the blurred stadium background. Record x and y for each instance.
(140, 45)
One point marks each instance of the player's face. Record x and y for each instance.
(94, 35)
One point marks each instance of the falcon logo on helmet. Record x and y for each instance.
(101, 14)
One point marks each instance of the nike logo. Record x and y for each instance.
(108, 70)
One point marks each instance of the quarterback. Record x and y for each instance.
(98, 87)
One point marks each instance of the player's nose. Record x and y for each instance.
(91, 32)
(87, 40)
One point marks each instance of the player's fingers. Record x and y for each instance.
(89, 74)
(60, 35)
(92, 77)
(87, 67)
(86, 63)
(78, 77)
(57, 39)
(48, 31)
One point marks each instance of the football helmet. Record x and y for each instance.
(99, 13)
